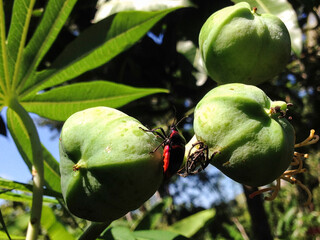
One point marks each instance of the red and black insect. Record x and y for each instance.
(173, 149)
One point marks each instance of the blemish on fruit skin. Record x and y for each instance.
(108, 149)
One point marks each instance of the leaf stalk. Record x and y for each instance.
(37, 168)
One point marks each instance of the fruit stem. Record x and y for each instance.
(79, 165)
(94, 230)
(254, 9)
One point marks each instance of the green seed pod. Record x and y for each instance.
(106, 166)
(255, 142)
(239, 45)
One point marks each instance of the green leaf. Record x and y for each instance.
(152, 218)
(13, 185)
(95, 46)
(283, 10)
(20, 197)
(192, 224)
(3, 235)
(4, 74)
(118, 232)
(59, 103)
(233, 231)
(4, 227)
(53, 227)
(53, 19)
(19, 25)
(22, 141)
(158, 235)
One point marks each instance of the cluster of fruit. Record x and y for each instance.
(110, 164)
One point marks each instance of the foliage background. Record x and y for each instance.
(162, 59)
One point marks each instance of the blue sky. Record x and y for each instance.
(12, 165)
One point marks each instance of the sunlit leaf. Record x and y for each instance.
(53, 19)
(107, 8)
(59, 103)
(95, 46)
(284, 10)
(3, 235)
(21, 197)
(22, 141)
(192, 54)
(19, 25)
(4, 74)
(27, 188)
(192, 224)
(122, 233)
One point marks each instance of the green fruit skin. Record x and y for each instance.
(116, 171)
(239, 45)
(255, 146)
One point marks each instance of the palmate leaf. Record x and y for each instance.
(283, 10)
(59, 103)
(53, 19)
(95, 46)
(4, 74)
(22, 141)
(22, 12)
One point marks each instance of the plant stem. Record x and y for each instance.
(37, 168)
(94, 230)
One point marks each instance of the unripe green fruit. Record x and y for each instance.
(106, 166)
(255, 143)
(240, 45)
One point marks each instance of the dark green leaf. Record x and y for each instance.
(59, 103)
(192, 224)
(233, 231)
(157, 235)
(4, 227)
(3, 129)
(53, 19)
(152, 218)
(22, 141)
(286, 13)
(53, 227)
(96, 46)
